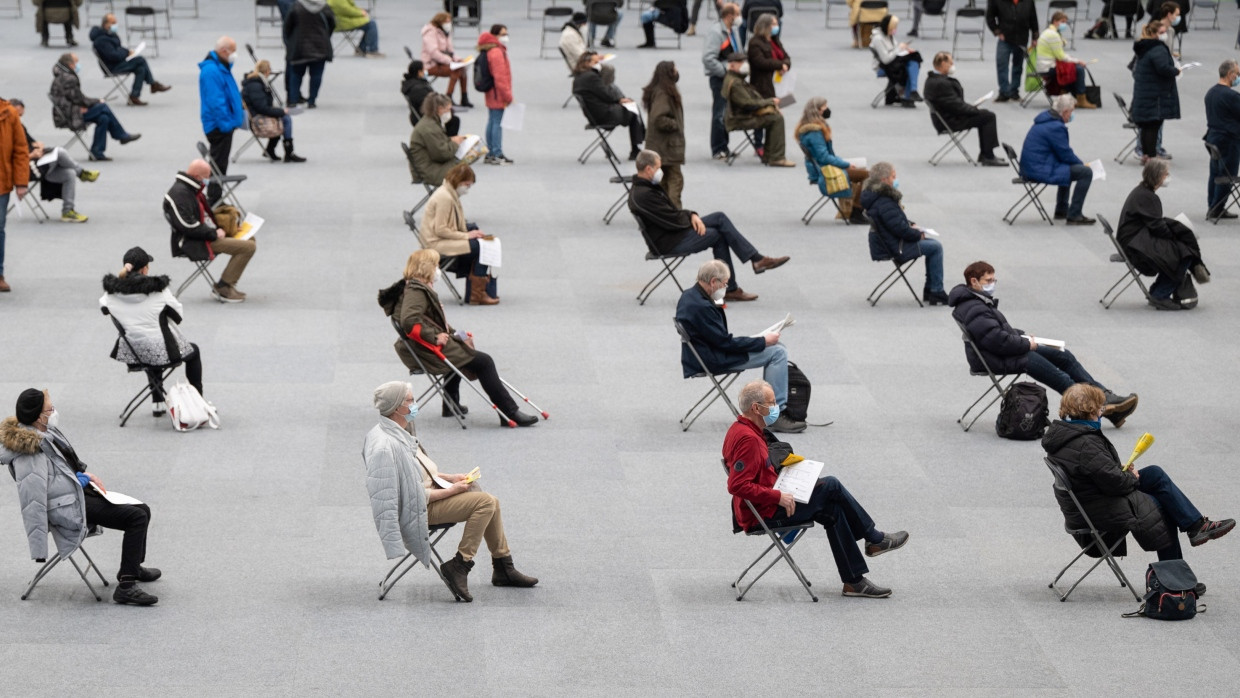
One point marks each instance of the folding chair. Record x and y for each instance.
(271, 79)
(1069, 8)
(201, 267)
(446, 264)
(471, 18)
(437, 532)
(119, 82)
(996, 380)
(77, 133)
(568, 63)
(15, 11)
(843, 4)
(1210, 7)
(193, 10)
(1106, 553)
(162, 7)
(253, 139)
(661, 30)
(267, 14)
(155, 375)
(1131, 276)
(141, 20)
(671, 262)
(897, 274)
(227, 183)
(954, 137)
(1129, 149)
(821, 203)
(1233, 194)
(941, 15)
(31, 199)
(600, 141)
(1032, 191)
(784, 551)
(54, 560)
(350, 37)
(1044, 87)
(970, 21)
(436, 380)
(742, 146)
(417, 178)
(720, 382)
(87, 5)
(553, 19)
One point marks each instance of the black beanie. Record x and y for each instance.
(29, 406)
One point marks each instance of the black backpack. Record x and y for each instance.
(1023, 413)
(483, 81)
(798, 394)
(1169, 592)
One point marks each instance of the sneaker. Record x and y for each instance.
(72, 216)
(1080, 220)
(488, 160)
(1002, 98)
(720, 156)
(158, 409)
(787, 425)
(225, 293)
(1165, 304)
(866, 589)
(134, 595)
(1164, 154)
(1209, 530)
(504, 160)
(890, 541)
(130, 138)
(89, 175)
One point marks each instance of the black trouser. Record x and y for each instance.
(987, 132)
(130, 518)
(193, 374)
(483, 366)
(1149, 137)
(637, 130)
(68, 31)
(221, 148)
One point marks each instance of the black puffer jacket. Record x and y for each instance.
(1154, 244)
(1108, 494)
(1003, 347)
(256, 94)
(892, 236)
(308, 32)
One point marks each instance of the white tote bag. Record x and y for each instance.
(188, 410)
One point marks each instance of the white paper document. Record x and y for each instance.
(463, 149)
(457, 65)
(631, 106)
(1099, 171)
(138, 51)
(1190, 66)
(489, 252)
(799, 479)
(514, 117)
(116, 497)
(788, 321)
(1043, 341)
(785, 83)
(988, 96)
(608, 57)
(858, 163)
(930, 232)
(1183, 218)
(48, 157)
(250, 226)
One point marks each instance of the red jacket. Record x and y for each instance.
(500, 95)
(751, 475)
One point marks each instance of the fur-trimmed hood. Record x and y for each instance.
(806, 128)
(17, 439)
(876, 188)
(389, 298)
(134, 283)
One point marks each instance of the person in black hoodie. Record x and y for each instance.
(120, 60)
(260, 101)
(1119, 498)
(1015, 24)
(605, 104)
(416, 87)
(1008, 351)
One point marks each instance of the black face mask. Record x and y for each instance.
(826, 113)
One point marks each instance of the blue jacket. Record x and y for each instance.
(218, 95)
(818, 153)
(1154, 93)
(707, 326)
(1046, 155)
(108, 46)
(891, 234)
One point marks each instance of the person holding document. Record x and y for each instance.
(1009, 351)
(432, 150)
(604, 104)
(121, 60)
(60, 499)
(752, 476)
(446, 231)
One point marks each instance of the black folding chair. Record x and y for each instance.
(996, 380)
(1032, 191)
(436, 380)
(941, 14)
(417, 178)
(267, 14)
(271, 79)
(571, 67)
(1128, 125)
(1068, 7)
(77, 133)
(155, 375)
(351, 38)
(141, 20)
(446, 264)
(1131, 276)
(119, 82)
(55, 559)
(896, 274)
(954, 137)
(1098, 544)
(783, 551)
(228, 183)
(201, 267)
(409, 561)
(973, 24)
(31, 199)
(720, 382)
(670, 261)
(742, 146)
(1232, 182)
(821, 203)
(1044, 87)
(472, 17)
(552, 19)
(600, 142)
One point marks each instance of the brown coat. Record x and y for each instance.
(14, 156)
(666, 134)
(56, 15)
(415, 303)
(443, 223)
(762, 63)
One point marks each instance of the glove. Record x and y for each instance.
(84, 479)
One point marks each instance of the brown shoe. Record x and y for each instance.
(4, 286)
(478, 291)
(225, 293)
(160, 87)
(135, 102)
(781, 163)
(763, 263)
(1082, 102)
(740, 295)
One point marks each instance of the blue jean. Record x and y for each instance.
(718, 133)
(1010, 64)
(106, 123)
(316, 79)
(1058, 370)
(720, 236)
(1177, 510)
(495, 134)
(288, 127)
(773, 361)
(141, 73)
(1164, 285)
(1083, 176)
(611, 29)
(845, 521)
(4, 215)
(1216, 194)
(370, 37)
(932, 250)
(914, 69)
(649, 16)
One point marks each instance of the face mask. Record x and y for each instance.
(1071, 117)
(774, 31)
(445, 117)
(1063, 27)
(504, 39)
(53, 420)
(718, 294)
(1175, 22)
(895, 183)
(988, 288)
(438, 275)
(826, 114)
(462, 190)
(77, 68)
(1235, 81)
(658, 177)
(597, 67)
(951, 70)
(413, 411)
(771, 415)
(744, 69)
(1162, 36)
(112, 29)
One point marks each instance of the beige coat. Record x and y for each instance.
(443, 223)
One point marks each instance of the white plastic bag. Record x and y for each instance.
(188, 410)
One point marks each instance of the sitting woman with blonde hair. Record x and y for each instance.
(446, 231)
(814, 135)
(260, 102)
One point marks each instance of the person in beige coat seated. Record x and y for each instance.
(446, 231)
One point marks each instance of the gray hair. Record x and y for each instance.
(762, 27)
(752, 394)
(223, 42)
(713, 270)
(647, 158)
(1154, 172)
(879, 172)
(433, 103)
(1063, 103)
(1225, 68)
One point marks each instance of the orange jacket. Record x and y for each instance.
(14, 155)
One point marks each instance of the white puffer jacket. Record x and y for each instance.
(149, 312)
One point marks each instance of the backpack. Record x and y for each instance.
(483, 81)
(798, 394)
(1169, 592)
(1023, 413)
(188, 410)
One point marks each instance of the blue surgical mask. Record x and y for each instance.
(1235, 81)
(1062, 27)
(775, 31)
(772, 414)
(1175, 22)
(413, 411)
(112, 29)
(1071, 117)
(77, 68)
(895, 183)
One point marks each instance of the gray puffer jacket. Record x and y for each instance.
(397, 498)
(48, 491)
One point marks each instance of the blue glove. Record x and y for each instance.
(84, 479)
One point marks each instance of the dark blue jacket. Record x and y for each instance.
(1154, 93)
(1004, 350)
(108, 46)
(707, 326)
(1046, 155)
(891, 234)
(218, 96)
(1222, 115)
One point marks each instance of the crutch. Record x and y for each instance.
(521, 395)
(416, 335)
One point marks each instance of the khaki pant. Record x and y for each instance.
(239, 253)
(673, 183)
(480, 512)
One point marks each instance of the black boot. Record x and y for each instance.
(289, 155)
(649, 29)
(505, 575)
(522, 419)
(456, 575)
(129, 592)
(447, 411)
(270, 151)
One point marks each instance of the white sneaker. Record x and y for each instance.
(158, 409)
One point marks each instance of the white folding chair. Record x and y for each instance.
(1097, 543)
(720, 383)
(783, 550)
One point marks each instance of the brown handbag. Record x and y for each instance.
(263, 126)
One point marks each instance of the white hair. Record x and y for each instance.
(1062, 103)
(753, 394)
(712, 270)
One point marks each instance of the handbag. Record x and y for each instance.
(1093, 92)
(1065, 73)
(188, 410)
(263, 126)
(836, 179)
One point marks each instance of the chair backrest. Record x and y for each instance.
(1062, 482)
(264, 3)
(205, 152)
(686, 340)
(417, 176)
(1062, 5)
(250, 49)
(409, 53)
(102, 66)
(972, 346)
(421, 367)
(1123, 107)
(751, 19)
(567, 63)
(140, 10)
(940, 126)
(650, 248)
(970, 19)
(1110, 233)
(1013, 159)
(934, 10)
(65, 117)
(873, 4)
(1213, 151)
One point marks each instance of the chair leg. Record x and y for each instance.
(814, 209)
(47, 567)
(898, 272)
(669, 271)
(244, 146)
(85, 579)
(1126, 151)
(436, 387)
(783, 553)
(1107, 304)
(997, 386)
(616, 208)
(719, 390)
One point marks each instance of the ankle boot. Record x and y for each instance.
(649, 29)
(289, 155)
(504, 574)
(1082, 102)
(270, 150)
(456, 576)
(478, 291)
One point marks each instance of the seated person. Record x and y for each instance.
(446, 231)
(1047, 157)
(195, 234)
(573, 44)
(349, 17)
(408, 494)
(416, 306)
(438, 55)
(701, 313)
(673, 14)
(751, 477)
(1118, 499)
(1009, 351)
(748, 110)
(946, 94)
(1158, 246)
(151, 317)
(416, 87)
(607, 13)
(814, 137)
(1130, 10)
(74, 109)
(893, 236)
(59, 175)
(1051, 53)
(120, 60)
(432, 149)
(260, 101)
(898, 62)
(675, 230)
(603, 103)
(48, 471)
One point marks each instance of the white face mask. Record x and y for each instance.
(53, 420)
(658, 177)
(597, 67)
(744, 69)
(438, 275)
(952, 70)
(445, 117)
(462, 190)
(504, 39)
(232, 58)
(718, 294)
(1162, 36)
(989, 288)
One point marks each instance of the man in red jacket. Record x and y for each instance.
(751, 476)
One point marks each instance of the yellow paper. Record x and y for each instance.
(792, 459)
(473, 475)
(1143, 445)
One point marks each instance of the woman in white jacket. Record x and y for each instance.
(149, 312)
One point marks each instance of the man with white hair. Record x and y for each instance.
(1047, 157)
(220, 106)
(405, 503)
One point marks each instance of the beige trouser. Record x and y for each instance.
(480, 512)
(239, 253)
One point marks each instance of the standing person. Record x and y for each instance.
(607, 13)
(59, 175)
(349, 17)
(120, 60)
(74, 109)
(1014, 23)
(696, 12)
(438, 55)
(260, 101)
(1223, 132)
(766, 57)
(666, 132)
(494, 44)
(1155, 97)
(14, 170)
(308, 38)
(221, 109)
(56, 12)
(717, 45)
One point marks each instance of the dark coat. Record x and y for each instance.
(947, 96)
(1002, 346)
(1017, 22)
(415, 90)
(417, 305)
(666, 132)
(891, 234)
(1108, 495)
(1222, 115)
(185, 208)
(55, 12)
(673, 14)
(664, 223)
(108, 46)
(1154, 93)
(746, 108)
(707, 326)
(308, 34)
(67, 95)
(256, 94)
(604, 12)
(1047, 154)
(1154, 244)
(599, 100)
(763, 64)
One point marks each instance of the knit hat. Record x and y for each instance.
(390, 396)
(736, 57)
(137, 258)
(29, 406)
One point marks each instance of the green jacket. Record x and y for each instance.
(433, 151)
(744, 103)
(348, 15)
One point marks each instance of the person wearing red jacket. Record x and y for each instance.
(494, 45)
(752, 475)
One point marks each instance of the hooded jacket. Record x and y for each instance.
(1155, 96)
(397, 498)
(1047, 155)
(14, 155)
(108, 45)
(48, 491)
(67, 95)
(1002, 346)
(500, 94)
(666, 132)
(415, 90)
(348, 15)
(891, 235)
(436, 46)
(308, 32)
(819, 152)
(193, 228)
(220, 100)
(1154, 244)
(149, 312)
(416, 305)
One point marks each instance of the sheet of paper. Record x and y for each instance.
(1099, 171)
(250, 226)
(799, 479)
(858, 163)
(456, 65)
(115, 497)
(608, 57)
(931, 232)
(48, 157)
(138, 51)
(473, 475)
(988, 96)
(514, 117)
(631, 106)
(785, 84)
(489, 252)
(462, 335)
(1183, 218)
(1190, 65)
(463, 149)
(1056, 343)
(787, 100)
(788, 321)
